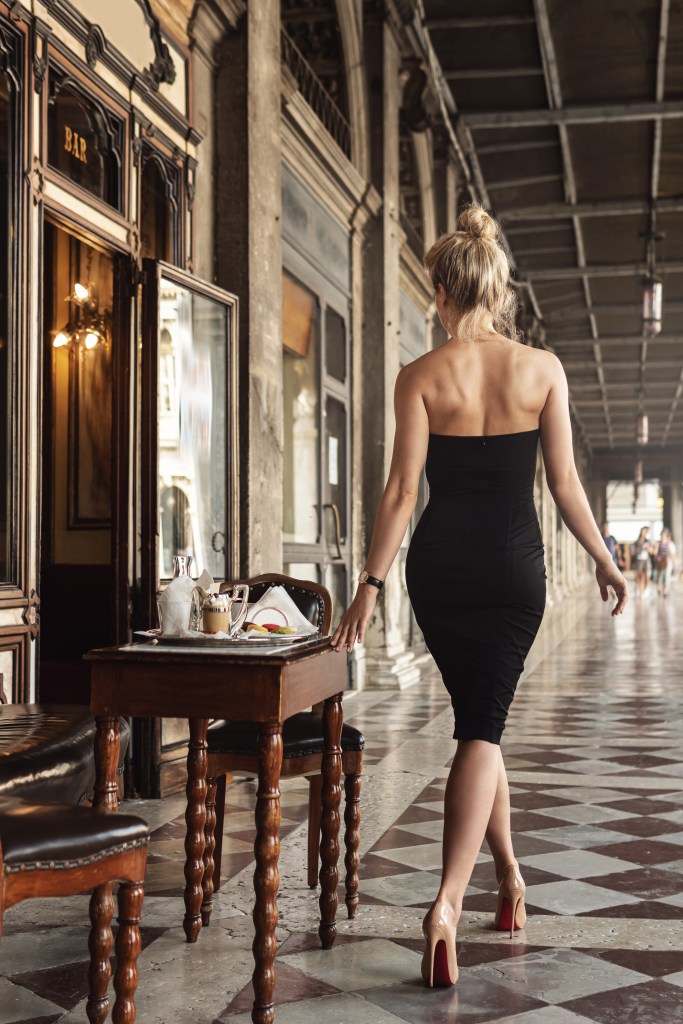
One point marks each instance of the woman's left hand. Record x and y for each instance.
(355, 620)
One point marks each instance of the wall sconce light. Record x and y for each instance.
(90, 328)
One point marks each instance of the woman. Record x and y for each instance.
(641, 560)
(474, 410)
(665, 556)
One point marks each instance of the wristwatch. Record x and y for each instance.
(365, 577)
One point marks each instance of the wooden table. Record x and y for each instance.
(199, 684)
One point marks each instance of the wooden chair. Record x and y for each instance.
(232, 749)
(62, 850)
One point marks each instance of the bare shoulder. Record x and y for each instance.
(541, 362)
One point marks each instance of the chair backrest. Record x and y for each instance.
(312, 599)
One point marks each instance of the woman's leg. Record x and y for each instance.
(498, 832)
(470, 794)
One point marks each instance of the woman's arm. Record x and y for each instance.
(396, 505)
(566, 488)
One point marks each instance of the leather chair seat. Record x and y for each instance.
(302, 734)
(46, 751)
(50, 836)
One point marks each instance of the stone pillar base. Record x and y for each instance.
(383, 672)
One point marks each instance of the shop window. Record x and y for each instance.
(158, 205)
(85, 141)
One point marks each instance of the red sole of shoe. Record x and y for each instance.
(506, 918)
(441, 975)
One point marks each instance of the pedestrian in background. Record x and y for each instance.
(610, 542)
(665, 557)
(641, 560)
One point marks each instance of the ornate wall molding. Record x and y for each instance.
(31, 615)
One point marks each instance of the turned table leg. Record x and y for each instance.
(107, 743)
(99, 944)
(266, 874)
(329, 842)
(127, 949)
(195, 820)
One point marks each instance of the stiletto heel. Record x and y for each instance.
(439, 963)
(510, 912)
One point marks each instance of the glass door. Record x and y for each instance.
(187, 467)
(316, 367)
(188, 478)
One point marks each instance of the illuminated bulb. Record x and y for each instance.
(652, 307)
(81, 293)
(642, 428)
(91, 339)
(61, 339)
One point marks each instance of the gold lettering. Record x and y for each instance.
(75, 144)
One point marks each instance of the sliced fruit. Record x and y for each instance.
(253, 627)
(272, 627)
(284, 629)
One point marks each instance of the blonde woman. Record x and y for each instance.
(641, 560)
(474, 411)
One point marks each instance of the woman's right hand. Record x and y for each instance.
(608, 575)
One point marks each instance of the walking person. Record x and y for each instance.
(665, 558)
(641, 560)
(474, 410)
(610, 543)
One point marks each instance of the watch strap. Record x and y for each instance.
(365, 577)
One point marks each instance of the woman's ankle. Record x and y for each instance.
(452, 900)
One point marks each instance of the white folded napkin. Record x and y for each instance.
(277, 600)
(175, 603)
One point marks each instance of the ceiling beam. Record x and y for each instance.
(516, 147)
(622, 339)
(620, 364)
(599, 113)
(610, 208)
(596, 270)
(538, 179)
(499, 21)
(614, 309)
(472, 74)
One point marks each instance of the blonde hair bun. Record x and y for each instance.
(475, 221)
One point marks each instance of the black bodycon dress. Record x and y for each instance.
(475, 572)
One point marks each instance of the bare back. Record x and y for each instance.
(492, 386)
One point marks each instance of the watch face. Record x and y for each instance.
(363, 576)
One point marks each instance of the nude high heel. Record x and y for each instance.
(510, 912)
(439, 963)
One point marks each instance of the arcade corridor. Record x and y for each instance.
(593, 750)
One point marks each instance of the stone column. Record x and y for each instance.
(674, 520)
(387, 663)
(249, 263)
(211, 21)
(445, 181)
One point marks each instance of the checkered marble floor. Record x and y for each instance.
(595, 760)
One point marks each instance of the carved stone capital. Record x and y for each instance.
(210, 22)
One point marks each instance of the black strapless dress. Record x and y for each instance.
(475, 572)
